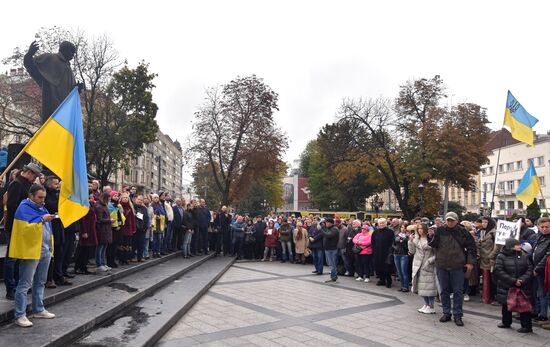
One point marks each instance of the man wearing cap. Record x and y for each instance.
(455, 251)
(17, 192)
(330, 244)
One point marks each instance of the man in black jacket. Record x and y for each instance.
(223, 220)
(330, 244)
(177, 225)
(455, 249)
(259, 228)
(18, 191)
(540, 253)
(55, 272)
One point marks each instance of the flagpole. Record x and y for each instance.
(496, 170)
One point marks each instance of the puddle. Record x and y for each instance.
(137, 320)
(122, 286)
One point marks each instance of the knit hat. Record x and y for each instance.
(365, 228)
(510, 243)
(113, 193)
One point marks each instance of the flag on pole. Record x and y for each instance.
(529, 186)
(59, 145)
(521, 123)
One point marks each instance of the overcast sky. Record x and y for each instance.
(314, 53)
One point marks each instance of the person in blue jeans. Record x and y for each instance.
(455, 252)
(316, 246)
(401, 257)
(31, 242)
(330, 244)
(159, 225)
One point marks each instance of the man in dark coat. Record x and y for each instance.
(455, 250)
(259, 228)
(330, 244)
(204, 218)
(223, 220)
(177, 225)
(382, 242)
(18, 191)
(55, 272)
(540, 253)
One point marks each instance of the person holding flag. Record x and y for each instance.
(32, 244)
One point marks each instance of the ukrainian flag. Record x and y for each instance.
(59, 144)
(521, 123)
(26, 234)
(529, 186)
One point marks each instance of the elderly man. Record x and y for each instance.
(450, 242)
(382, 242)
(331, 235)
(18, 191)
(31, 243)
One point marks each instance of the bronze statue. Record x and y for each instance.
(52, 72)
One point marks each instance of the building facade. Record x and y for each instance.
(514, 161)
(158, 169)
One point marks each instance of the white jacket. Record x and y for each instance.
(169, 211)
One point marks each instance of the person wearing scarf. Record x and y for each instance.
(32, 243)
(128, 229)
(159, 225)
(117, 216)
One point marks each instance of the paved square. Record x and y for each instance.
(274, 304)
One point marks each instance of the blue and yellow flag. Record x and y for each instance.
(529, 186)
(59, 144)
(521, 123)
(26, 234)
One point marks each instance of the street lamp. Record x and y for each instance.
(376, 203)
(421, 191)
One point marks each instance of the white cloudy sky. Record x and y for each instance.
(313, 53)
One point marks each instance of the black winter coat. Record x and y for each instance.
(18, 190)
(330, 237)
(400, 245)
(382, 242)
(540, 253)
(510, 267)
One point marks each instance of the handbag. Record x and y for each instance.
(517, 301)
(307, 252)
(356, 248)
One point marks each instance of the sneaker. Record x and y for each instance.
(367, 280)
(102, 268)
(44, 314)
(108, 268)
(429, 310)
(466, 297)
(23, 322)
(359, 279)
(347, 273)
(421, 310)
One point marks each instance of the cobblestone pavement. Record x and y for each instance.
(274, 304)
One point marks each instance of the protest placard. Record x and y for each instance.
(506, 230)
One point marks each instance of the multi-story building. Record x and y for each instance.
(514, 161)
(158, 169)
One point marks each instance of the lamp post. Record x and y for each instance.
(376, 203)
(421, 192)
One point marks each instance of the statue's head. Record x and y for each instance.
(67, 49)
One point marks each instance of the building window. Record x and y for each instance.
(510, 167)
(490, 170)
(542, 181)
(510, 186)
(540, 161)
(484, 171)
(510, 205)
(501, 185)
(531, 160)
(501, 205)
(542, 203)
(519, 165)
(520, 205)
(501, 168)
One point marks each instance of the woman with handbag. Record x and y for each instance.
(362, 247)
(423, 268)
(514, 272)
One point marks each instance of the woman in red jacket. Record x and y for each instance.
(128, 229)
(88, 239)
(270, 235)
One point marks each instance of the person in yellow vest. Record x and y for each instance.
(159, 225)
(32, 244)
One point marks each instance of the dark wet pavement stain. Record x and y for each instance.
(138, 320)
(122, 286)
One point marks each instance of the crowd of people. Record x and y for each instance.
(441, 260)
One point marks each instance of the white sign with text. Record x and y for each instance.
(506, 230)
